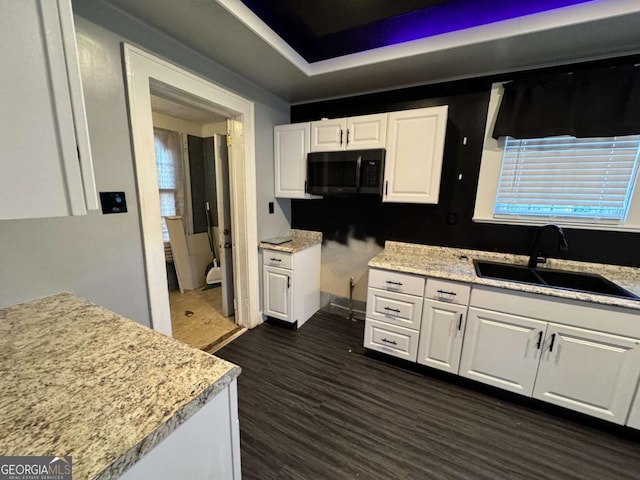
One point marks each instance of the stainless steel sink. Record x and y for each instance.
(583, 282)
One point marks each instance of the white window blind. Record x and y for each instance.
(169, 165)
(588, 179)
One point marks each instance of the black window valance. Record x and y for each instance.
(591, 103)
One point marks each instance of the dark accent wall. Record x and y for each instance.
(449, 223)
(203, 181)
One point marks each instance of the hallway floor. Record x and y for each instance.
(197, 319)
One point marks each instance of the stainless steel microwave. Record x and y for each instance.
(352, 172)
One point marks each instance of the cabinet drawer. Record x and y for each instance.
(448, 291)
(396, 308)
(391, 339)
(274, 258)
(396, 282)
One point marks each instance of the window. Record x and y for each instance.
(577, 182)
(168, 149)
(574, 178)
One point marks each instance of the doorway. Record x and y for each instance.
(193, 182)
(147, 73)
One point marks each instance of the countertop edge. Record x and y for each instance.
(125, 461)
(384, 261)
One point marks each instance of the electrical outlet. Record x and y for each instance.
(271, 207)
(452, 218)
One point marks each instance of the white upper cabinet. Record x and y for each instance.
(415, 144)
(46, 167)
(354, 133)
(291, 145)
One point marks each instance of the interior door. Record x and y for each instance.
(224, 223)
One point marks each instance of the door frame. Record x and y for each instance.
(143, 69)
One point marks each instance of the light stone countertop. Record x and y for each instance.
(300, 240)
(80, 380)
(457, 264)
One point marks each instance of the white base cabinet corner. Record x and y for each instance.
(634, 415)
(206, 445)
(291, 284)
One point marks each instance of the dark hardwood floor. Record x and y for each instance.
(314, 406)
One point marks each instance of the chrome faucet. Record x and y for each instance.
(535, 246)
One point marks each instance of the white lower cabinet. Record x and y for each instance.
(206, 445)
(291, 284)
(578, 355)
(591, 372)
(391, 339)
(502, 350)
(441, 334)
(277, 296)
(394, 310)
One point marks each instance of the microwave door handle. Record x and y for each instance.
(358, 166)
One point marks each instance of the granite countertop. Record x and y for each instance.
(80, 380)
(300, 240)
(456, 264)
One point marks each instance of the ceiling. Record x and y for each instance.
(301, 62)
(183, 111)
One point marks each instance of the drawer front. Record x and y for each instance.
(274, 258)
(396, 282)
(448, 291)
(396, 308)
(390, 339)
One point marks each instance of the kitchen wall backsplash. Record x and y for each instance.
(449, 223)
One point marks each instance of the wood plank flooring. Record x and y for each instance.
(313, 406)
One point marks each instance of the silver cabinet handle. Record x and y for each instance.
(392, 342)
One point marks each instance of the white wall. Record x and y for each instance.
(97, 256)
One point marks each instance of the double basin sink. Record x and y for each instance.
(583, 282)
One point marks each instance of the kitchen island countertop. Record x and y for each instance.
(457, 264)
(80, 380)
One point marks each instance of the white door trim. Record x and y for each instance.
(142, 68)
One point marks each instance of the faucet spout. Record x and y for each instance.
(535, 246)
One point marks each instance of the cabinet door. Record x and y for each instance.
(366, 131)
(502, 350)
(415, 144)
(277, 293)
(441, 335)
(328, 135)
(42, 175)
(291, 145)
(588, 371)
